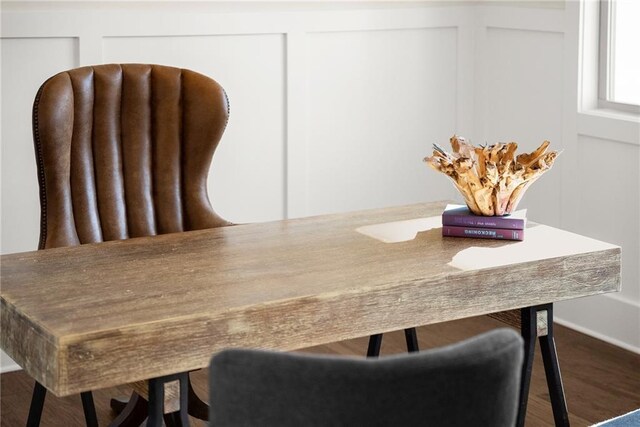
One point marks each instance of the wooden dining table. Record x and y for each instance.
(99, 315)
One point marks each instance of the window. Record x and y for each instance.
(619, 71)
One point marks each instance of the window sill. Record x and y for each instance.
(610, 124)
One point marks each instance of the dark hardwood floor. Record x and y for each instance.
(601, 380)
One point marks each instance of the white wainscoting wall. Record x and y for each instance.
(534, 79)
(333, 106)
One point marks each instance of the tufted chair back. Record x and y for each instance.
(124, 151)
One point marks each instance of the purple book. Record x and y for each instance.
(482, 233)
(459, 215)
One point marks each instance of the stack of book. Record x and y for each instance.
(458, 221)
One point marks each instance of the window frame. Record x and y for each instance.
(606, 56)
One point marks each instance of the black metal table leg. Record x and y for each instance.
(537, 322)
(89, 409)
(173, 419)
(411, 336)
(37, 403)
(528, 331)
(552, 371)
(375, 342)
(156, 401)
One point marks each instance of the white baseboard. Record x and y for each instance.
(597, 335)
(610, 318)
(6, 364)
(10, 367)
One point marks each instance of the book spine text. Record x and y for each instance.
(482, 233)
(484, 222)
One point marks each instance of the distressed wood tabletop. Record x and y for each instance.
(98, 315)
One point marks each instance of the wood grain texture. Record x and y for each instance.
(510, 317)
(601, 380)
(282, 285)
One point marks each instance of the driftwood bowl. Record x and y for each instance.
(492, 179)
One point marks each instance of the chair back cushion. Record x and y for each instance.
(473, 383)
(124, 151)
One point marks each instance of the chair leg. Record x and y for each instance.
(375, 342)
(132, 413)
(89, 409)
(119, 405)
(37, 403)
(197, 408)
(411, 337)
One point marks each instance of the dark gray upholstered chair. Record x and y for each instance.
(472, 383)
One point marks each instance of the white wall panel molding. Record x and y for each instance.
(577, 198)
(480, 87)
(26, 63)
(522, 18)
(296, 161)
(485, 68)
(465, 68)
(279, 127)
(588, 57)
(570, 180)
(522, 100)
(615, 184)
(89, 49)
(101, 27)
(148, 21)
(374, 108)
(602, 137)
(21, 77)
(247, 179)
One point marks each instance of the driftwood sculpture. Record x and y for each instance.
(492, 179)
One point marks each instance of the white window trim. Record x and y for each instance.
(593, 120)
(606, 58)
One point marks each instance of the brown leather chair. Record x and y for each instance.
(124, 151)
